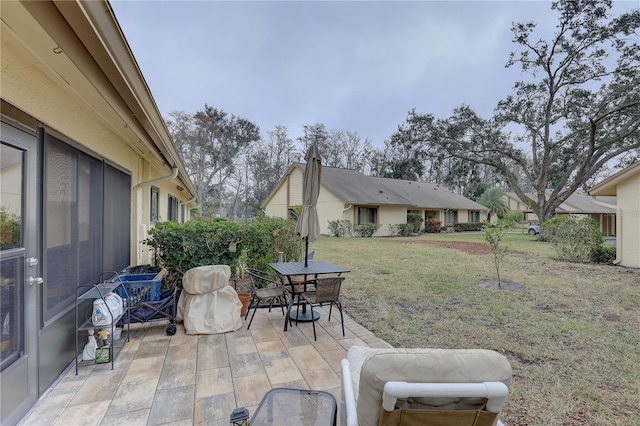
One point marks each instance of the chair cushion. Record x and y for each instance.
(378, 366)
(205, 279)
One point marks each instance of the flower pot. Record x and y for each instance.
(244, 299)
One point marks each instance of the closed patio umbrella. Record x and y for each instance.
(308, 226)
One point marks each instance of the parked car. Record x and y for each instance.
(533, 229)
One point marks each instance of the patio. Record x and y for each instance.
(184, 379)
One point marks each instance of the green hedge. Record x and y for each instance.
(475, 226)
(182, 246)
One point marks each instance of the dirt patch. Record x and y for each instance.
(503, 285)
(478, 249)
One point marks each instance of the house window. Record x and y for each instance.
(474, 217)
(154, 204)
(452, 217)
(87, 222)
(182, 213)
(366, 215)
(172, 209)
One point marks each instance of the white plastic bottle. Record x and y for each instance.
(89, 351)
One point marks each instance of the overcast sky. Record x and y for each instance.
(351, 65)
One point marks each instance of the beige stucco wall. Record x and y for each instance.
(329, 208)
(628, 199)
(390, 215)
(29, 85)
(277, 205)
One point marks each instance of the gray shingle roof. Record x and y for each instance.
(581, 203)
(354, 187)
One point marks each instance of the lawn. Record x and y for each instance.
(570, 331)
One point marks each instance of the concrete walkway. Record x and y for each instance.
(185, 379)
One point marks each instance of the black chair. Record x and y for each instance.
(265, 289)
(327, 290)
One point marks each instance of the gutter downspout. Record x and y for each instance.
(618, 209)
(141, 232)
(173, 175)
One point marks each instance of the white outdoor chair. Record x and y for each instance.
(423, 386)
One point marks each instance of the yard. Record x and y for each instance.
(570, 331)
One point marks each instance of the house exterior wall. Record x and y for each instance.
(390, 215)
(27, 86)
(628, 198)
(329, 208)
(278, 204)
(295, 183)
(463, 216)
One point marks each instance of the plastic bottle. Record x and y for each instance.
(89, 351)
(101, 315)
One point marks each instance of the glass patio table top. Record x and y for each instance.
(285, 406)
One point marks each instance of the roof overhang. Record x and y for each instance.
(609, 185)
(83, 44)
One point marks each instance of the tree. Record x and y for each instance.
(268, 163)
(493, 199)
(411, 154)
(318, 134)
(573, 126)
(579, 110)
(209, 143)
(494, 236)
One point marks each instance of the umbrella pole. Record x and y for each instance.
(306, 251)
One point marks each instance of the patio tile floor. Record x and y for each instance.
(200, 379)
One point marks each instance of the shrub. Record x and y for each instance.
(10, 229)
(475, 226)
(513, 217)
(340, 228)
(414, 221)
(182, 246)
(406, 229)
(604, 254)
(367, 230)
(432, 226)
(574, 238)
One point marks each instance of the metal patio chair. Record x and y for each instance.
(327, 290)
(265, 289)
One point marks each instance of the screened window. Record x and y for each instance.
(117, 219)
(452, 217)
(154, 204)
(87, 220)
(366, 215)
(172, 208)
(474, 217)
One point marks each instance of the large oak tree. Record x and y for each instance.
(576, 110)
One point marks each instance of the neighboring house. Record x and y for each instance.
(578, 203)
(625, 187)
(351, 195)
(87, 166)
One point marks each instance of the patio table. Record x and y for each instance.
(284, 406)
(312, 270)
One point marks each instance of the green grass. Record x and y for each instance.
(572, 334)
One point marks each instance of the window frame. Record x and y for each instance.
(172, 208)
(370, 211)
(154, 205)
